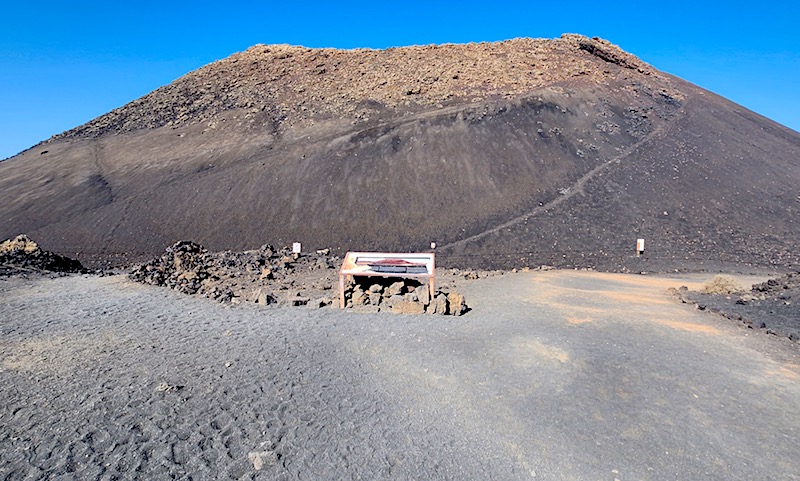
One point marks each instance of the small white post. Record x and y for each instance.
(639, 247)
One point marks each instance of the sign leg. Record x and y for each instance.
(341, 291)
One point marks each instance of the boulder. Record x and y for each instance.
(396, 288)
(439, 305)
(320, 303)
(456, 303)
(359, 297)
(423, 294)
(401, 305)
(263, 298)
(298, 300)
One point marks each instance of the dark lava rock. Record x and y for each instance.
(773, 305)
(21, 254)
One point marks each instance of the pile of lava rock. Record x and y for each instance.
(22, 255)
(785, 289)
(263, 276)
(183, 267)
(403, 296)
(271, 276)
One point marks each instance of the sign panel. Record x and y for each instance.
(365, 263)
(386, 264)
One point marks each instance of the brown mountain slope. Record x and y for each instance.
(522, 152)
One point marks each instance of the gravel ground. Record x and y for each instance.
(555, 375)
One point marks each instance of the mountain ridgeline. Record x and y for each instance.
(518, 153)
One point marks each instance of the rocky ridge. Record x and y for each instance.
(280, 86)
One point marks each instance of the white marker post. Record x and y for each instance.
(639, 247)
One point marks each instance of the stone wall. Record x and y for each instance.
(403, 296)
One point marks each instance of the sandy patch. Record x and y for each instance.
(57, 354)
(788, 370)
(688, 326)
(579, 320)
(529, 352)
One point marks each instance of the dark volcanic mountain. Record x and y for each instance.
(524, 152)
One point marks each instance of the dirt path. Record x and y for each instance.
(555, 376)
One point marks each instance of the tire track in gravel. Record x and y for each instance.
(179, 387)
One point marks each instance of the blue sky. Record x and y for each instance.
(65, 63)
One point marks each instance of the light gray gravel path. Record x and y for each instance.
(553, 376)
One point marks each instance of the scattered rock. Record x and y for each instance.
(299, 300)
(320, 303)
(769, 305)
(260, 459)
(165, 387)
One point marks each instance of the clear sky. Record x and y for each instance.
(65, 63)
